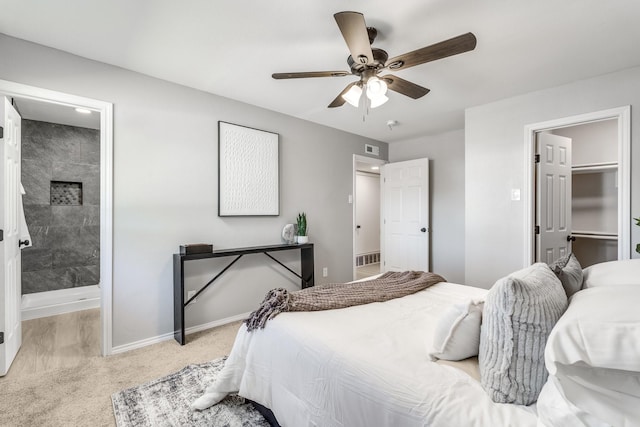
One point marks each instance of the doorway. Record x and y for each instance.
(578, 190)
(29, 94)
(60, 175)
(366, 216)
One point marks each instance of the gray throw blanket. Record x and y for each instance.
(340, 295)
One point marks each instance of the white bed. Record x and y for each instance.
(363, 366)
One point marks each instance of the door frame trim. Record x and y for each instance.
(374, 162)
(623, 115)
(105, 109)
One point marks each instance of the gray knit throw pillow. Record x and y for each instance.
(569, 271)
(519, 312)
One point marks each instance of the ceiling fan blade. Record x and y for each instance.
(405, 87)
(454, 46)
(354, 31)
(339, 101)
(279, 76)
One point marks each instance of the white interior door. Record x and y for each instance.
(405, 216)
(10, 320)
(553, 204)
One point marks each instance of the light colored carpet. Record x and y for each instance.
(81, 396)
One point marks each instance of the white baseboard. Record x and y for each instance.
(51, 303)
(216, 323)
(169, 336)
(142, 343)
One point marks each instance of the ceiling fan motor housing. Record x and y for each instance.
(379, 59)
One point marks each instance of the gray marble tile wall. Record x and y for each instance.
(66, 239)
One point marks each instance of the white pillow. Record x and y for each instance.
(592, 355)
(600, 329)
(457, 334)
(623, 272)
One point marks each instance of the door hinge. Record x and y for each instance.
(536, 229)
(1, 235)
(536, 158)
(1, 337)
(1, 132)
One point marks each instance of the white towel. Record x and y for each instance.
(23, 230)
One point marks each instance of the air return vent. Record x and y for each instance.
(372, 149)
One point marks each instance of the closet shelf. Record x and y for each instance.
(598, 235)
(595, 167)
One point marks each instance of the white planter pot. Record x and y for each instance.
(303, 239)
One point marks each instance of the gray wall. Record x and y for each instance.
(165, 184)
(65, 236)
(446, 176)
(495, 153)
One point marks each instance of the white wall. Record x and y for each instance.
(595, 142)
(495, 153)
(165, 188)
(446, 170)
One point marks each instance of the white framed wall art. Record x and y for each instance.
(248, 171)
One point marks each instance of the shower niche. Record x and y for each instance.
(65, 193)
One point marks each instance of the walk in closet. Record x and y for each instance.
(594, 189)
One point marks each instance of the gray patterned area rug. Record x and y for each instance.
(165, 402)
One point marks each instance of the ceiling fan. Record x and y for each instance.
(367, 62)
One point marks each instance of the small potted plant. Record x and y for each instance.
(302, 228)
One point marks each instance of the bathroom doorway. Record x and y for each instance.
(70, 191)
(60, 176)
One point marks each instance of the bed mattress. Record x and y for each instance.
(363, 366)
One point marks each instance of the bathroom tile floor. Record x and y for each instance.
(55, 342)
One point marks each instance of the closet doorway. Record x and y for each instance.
(579, 190)
(366, 216)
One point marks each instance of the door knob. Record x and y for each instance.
(22, 243)
(571, 238)
(424, 230)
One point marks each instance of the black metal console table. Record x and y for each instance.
(179, 304)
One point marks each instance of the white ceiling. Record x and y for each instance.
(231, 48)
(56, 113)
(368, 167)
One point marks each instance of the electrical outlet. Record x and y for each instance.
(191, 294)
(325, 272)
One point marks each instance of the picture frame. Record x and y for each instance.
(248, 171)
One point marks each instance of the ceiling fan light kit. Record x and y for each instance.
(366, 62)
(352, 96)
(376, 90)
(378, 101)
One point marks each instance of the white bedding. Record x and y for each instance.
(363, 366)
